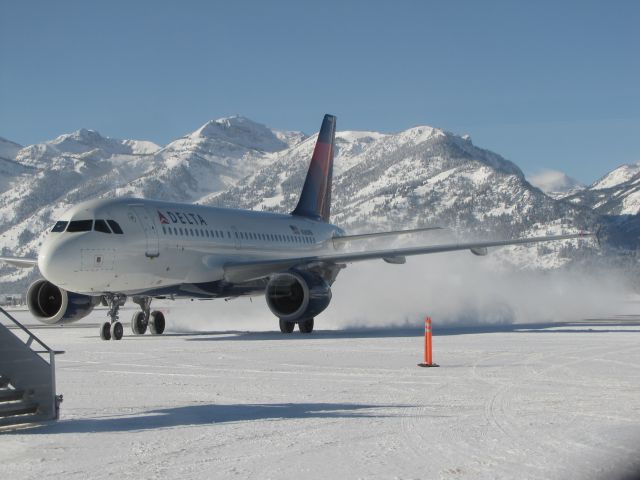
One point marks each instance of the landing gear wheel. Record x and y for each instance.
(105, 331)
(117, 331)
(306, 326)
(286, 327)
(138, 323)
(157, 323)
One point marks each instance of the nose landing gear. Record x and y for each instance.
(113, 329)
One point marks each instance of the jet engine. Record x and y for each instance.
(297, 295)
(51, 304)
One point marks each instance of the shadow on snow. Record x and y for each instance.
(208, 414)
(616, 325)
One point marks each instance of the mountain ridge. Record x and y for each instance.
(420, 176)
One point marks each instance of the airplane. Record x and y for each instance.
(107, 250)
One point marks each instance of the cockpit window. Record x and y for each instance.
(115, 227)
(80, 226)
(101, 226)
(59, 226)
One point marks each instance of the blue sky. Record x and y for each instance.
(547, 84)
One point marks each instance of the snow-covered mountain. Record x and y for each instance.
(617, 193)
(10, 170)
(417, 177)
(617, 177)
(210, 160)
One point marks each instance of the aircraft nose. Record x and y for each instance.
(56, 261)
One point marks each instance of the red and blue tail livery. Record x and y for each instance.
(315, 199)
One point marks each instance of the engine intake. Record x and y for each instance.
(297, 295)
(51, 304)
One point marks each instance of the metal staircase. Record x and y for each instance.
(27, 376)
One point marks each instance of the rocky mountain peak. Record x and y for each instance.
(241, 131)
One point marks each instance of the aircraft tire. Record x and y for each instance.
(138, 324)
(117, 331)
(157, 323)
(306, 326)
(286, 327)
(105, 331)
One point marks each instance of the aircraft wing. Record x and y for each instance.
(368, 236)
(250, 270)
(20, 262)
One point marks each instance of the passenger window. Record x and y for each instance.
(115, 227)
(59, 226)
(101, 226)
(80, 226)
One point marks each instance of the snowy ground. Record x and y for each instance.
(521, 401)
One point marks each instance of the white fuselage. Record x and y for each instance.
(165, 245)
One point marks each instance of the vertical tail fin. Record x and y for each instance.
(315, 199)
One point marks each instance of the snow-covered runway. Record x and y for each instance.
(547, 401)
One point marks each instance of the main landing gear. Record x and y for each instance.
(305, 326)
(146, 318)
(139, 322)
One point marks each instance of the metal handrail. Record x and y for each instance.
(50, 406)
(32, 337)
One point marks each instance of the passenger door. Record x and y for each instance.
(150, 231)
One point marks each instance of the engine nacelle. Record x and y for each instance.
(297, 295)
(51, 304)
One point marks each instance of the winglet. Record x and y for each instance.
(315, 199)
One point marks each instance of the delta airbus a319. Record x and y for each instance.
(108, 250)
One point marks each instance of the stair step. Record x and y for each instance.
(8, 395)
(22, 408)
(22, 421)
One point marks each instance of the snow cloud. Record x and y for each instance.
(552, 181)
(455, 289)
